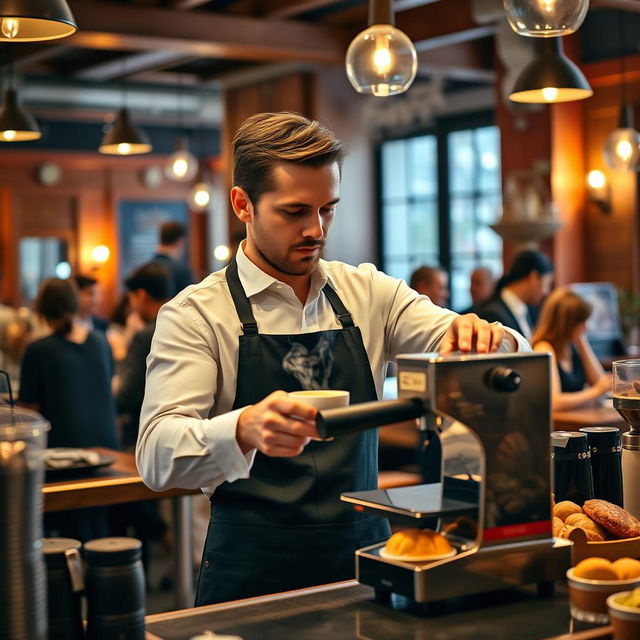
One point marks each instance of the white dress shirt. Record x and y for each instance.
(519, 309)
(187, 429)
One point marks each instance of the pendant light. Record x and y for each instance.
(32, 20)
(545, 18)
(16, 124)
(621, 147)
(201, 193)
(181, 166)
(381, 60)
(550, 77)
(124, 138)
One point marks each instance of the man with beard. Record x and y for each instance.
(216, 412)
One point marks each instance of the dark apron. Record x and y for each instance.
(285, 526)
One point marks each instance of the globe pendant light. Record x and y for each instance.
(32, 20)
(182, 166)
(621, 147)
(200, 196)
(124, 138)
(550, 77)
(621, 150)
(545, 18)
(381, 60)
(16, 125)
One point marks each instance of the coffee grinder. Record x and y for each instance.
(499, 522)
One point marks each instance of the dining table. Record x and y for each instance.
(117, 481)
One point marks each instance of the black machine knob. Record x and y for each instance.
(503, 379)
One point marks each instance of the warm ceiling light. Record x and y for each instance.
(32, 20)
(100, 253)
(200, 196)
(550, 77)
(222, 253)
(381, 60)
(622, 146)
(596, 179)
(182, 166)
(545, 18)
(16, 125)
(124, 138)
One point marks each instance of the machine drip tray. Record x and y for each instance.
(416, 502)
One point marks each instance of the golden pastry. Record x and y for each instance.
(613, 518)
(627, 568)
(418, 543)
(595, 569)
(565, 508)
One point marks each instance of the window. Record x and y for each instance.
(440, 191)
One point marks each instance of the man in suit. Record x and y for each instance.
(432, 282)
(520, 292)
(173, 237)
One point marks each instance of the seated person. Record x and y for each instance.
(561, 331)
(432, 282)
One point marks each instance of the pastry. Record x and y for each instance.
(595, 569)
(613, 518)
(583, 521)
(418, 543)
(556, 526)
(627, 568)
(565, 508)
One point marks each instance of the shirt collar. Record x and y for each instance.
(254, 280)
(516, 306)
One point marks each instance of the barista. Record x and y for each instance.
(279, 318)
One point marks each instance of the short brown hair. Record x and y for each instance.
(265, 139)
(561, 313)
(171, 232)
(57, 300)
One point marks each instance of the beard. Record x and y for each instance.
(284, 260)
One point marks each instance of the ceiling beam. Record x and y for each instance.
(625, 5)
(204, 34)
(128, 66)
(299, 7)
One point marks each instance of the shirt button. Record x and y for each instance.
(206, 564)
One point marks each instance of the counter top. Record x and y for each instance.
(347, 611)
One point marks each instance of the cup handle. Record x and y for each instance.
(74, 566)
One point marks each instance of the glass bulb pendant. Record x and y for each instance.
(622, 150)
(182, 166)
(381, 61)
(200, 196)
(545, 18)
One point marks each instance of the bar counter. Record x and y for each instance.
(347, 611)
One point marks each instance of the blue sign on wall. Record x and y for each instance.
(138, 229)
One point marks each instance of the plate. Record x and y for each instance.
(392, 556)
(79, 468)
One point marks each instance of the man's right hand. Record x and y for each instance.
(278, 426)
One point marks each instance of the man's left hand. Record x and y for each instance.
(469, 333)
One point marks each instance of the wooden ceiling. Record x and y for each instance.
(205, 42)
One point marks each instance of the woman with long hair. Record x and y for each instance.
(66, 376)
(577, 378)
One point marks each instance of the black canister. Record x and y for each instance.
(65, 584)
(606, 462)
(572, 477)
(114, 581)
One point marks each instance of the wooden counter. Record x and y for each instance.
(589, 417)
(347, 611)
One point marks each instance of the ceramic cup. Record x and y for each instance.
(322, 398)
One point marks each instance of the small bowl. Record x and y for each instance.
(625, 620)
(589, 597)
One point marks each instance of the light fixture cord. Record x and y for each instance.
(622, 61)
(381, 12)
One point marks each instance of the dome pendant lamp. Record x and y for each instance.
(124, 138)
(545, 18)
(381, 60)
(33, 20)
(550, 77)
(16, 125)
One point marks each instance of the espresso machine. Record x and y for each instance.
(497, 520)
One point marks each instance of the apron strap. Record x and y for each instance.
(245, 313)
(339, 309)
(240, 300)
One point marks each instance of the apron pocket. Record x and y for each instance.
(229, 575)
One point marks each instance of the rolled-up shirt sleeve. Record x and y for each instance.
(179, 444)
